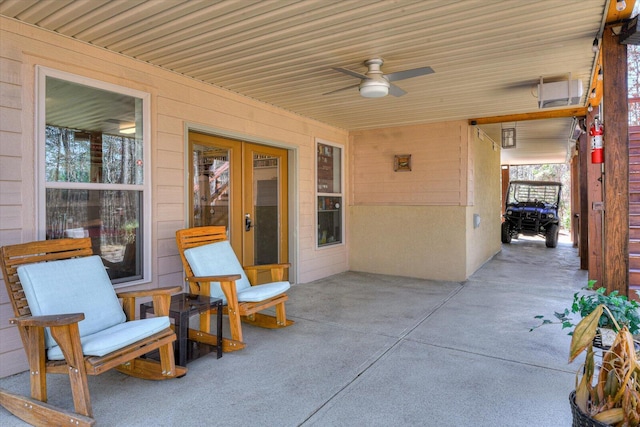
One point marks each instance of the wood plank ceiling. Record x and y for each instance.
(488, 55)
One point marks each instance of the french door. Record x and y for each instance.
(242, 186)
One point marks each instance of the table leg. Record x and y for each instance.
(182, 332)
(219, 330)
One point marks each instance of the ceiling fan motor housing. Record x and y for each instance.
(376, 85)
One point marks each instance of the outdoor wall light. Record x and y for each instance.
(509, 138)
(621, 5)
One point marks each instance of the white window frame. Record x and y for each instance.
(321, 194)
(41, 75)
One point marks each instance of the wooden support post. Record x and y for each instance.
(594, 205)
(616, 162)
(575, 201)
(505, 171)
(583, 160)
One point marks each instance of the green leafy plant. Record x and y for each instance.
(621, 310)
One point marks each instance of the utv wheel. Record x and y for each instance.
(551, 238)
(506, 234)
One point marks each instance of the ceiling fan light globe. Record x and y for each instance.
(374, 89)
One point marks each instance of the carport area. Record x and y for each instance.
(377, 350)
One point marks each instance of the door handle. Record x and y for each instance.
(247, 222)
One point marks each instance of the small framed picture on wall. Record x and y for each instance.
(402, 163)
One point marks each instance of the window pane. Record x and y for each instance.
(329, 220)
(329, 197)
(328, 169)
(112, 220)
(92, 135)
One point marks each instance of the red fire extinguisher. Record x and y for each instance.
(595, 132)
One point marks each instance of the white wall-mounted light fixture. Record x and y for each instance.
(595, 46)
(621, 5)
(509, 137)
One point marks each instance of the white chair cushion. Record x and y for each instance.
(115, 337)
(77, 285)
(263, 292)
(216, 259)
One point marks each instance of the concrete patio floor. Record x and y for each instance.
(372, 350)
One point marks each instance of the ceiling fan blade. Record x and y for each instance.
(407, 74)
(396, 91)
(342, 89)
(351, 73)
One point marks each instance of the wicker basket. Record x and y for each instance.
(580, 419)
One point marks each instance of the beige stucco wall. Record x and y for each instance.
(420, 223)
(484, 241)
(411, 241)
(176, 103)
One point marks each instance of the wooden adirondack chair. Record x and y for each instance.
(50, 300)
(212, 268)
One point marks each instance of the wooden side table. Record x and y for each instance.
(183, 306)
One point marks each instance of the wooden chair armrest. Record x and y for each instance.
(277, 272)
(150, 292)
(202, 285)
(221, 278)
(48, 321)
(161, 300)
(267, 266)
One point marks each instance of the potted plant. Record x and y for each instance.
(614, 398)
(608, 394)
(621, 311)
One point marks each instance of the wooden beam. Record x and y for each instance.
(616, 165)
(537, 115)
(614, 16)
(596, 83)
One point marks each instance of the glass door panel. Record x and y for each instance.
(215, 184)
(265, 205)
(210, 185)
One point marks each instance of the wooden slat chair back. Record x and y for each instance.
(63, 330)
(212, 268)
(17, 255)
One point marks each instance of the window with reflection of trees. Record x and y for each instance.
(93, 173)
